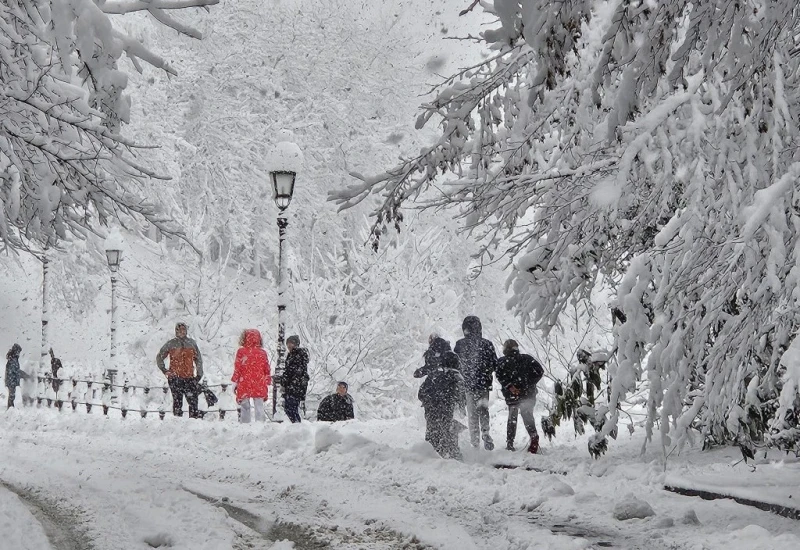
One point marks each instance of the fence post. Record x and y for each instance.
(220, 401)
(123, 401)
(144, 410)
(39, 390)
(74, 390)
(161, 412)
(105, 396)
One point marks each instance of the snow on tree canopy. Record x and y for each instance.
(652, 147)
(64, 164)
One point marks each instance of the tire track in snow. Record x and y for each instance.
(62, 526)
(305, 537)
(268, 532)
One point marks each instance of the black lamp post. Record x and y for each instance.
(286, 162)
(114, 256)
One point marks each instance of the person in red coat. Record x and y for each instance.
(251, 374)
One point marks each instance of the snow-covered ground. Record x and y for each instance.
(100, 483)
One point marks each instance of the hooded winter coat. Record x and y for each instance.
(295, 375)
(251, 371)
(521, 371)
(433, 357)
(444, 386)
(13, 372)
(477, 356)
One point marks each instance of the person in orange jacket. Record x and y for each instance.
(251, 374)
(185, 370)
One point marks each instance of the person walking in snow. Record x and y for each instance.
(251, 374)
(336, 407)
(13, 372)
(478, 362)
(185, 369)
(518, 374)
(55, 366)
(441, 394)
(295, 378)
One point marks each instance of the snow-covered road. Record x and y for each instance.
(177, 483)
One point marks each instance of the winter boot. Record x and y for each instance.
(533, 448)
(510, 446)
(488, 444)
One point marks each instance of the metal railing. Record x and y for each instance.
(82, 392)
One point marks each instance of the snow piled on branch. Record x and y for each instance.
(769, 202)
(62, 106)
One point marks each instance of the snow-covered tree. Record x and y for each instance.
(651, 146)
(64, 163)
(366, 318)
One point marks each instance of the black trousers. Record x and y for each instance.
(523, 408)
(291, 406)
(180, 388)
(11, 394)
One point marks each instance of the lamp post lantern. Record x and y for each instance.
(114, 256)
(286, 162)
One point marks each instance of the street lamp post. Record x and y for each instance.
(286, 162)
(43, 362)
(114, 256)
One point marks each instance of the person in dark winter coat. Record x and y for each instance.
(295, 378)
(55, 366)
(518, 374)
(337, 406)
(13, 372)
(441, 394)
(478, 362)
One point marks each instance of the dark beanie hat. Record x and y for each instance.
(294, 339)
(343, 384)
(510, 346)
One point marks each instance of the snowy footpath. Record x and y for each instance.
(77, 481)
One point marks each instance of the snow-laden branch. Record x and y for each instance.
(62, 108)
(120, 7)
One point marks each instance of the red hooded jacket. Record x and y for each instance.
(251, 371)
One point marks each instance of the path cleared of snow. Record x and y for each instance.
(216, 485)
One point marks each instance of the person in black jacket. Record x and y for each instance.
(478, 362)
(55, 366)
(441, 393)
(295, 378)
(13, 372)
(337, 406)
(518, 374)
